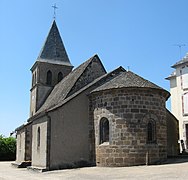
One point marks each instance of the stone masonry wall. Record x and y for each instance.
(128, 111)
(92, 72)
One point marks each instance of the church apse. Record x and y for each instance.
(136, 125)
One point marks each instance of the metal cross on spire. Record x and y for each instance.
(54, 7)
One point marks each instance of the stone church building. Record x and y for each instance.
(86, 116)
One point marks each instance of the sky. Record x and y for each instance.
(141, 35)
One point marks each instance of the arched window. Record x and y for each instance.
(38, 137)
(151, 132)
(60, 76)
(104, 130)
(49, 78)
(33, 79)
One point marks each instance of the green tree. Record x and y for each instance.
(7, 148)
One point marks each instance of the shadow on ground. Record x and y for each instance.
(176, 160)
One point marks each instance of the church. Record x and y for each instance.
(89, 117)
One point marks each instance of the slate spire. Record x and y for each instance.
(53, 50)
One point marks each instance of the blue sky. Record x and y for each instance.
(140, 34)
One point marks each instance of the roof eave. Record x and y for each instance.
(170, 77)
(166, 95)
(179, 64)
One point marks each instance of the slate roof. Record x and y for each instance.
(127, 79)
(62, 89)
(53, 50)
(97, 82)
(182, 61)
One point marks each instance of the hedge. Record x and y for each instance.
(7, 148)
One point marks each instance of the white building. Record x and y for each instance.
(179, 97)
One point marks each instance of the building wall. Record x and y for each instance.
(128, 112)
(172, 135)
(178, 89)
(38, 96)
(23, 144)
(20, 146)
(55, 69)
(70, 133)
(40, 89)
(28, 142)
(33, 99)
(42, 94)
(39, 152)
(175, 99)
(92, 72)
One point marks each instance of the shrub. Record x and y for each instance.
(7, 148)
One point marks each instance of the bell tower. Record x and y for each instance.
(51, 66)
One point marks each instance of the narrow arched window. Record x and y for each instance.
(38, 137)
(151, 132)
(104, 130)
(49, 78)
(33, 79)
(60, 76)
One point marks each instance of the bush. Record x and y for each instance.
(7, 148)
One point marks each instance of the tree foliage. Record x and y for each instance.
(7, 148)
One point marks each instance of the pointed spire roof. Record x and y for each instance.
(53, 50)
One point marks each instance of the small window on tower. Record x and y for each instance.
(33, 80)
(60, 76)
(49, 78)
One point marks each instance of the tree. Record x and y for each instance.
(7, 148)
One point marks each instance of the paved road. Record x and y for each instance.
(176, 170)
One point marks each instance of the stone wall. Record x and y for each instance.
(92, 72)
(40, 89)
(44, 67)
(172, 135)
(128, 112)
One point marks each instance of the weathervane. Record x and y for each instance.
(54, 7)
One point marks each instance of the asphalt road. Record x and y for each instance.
(176, 169)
